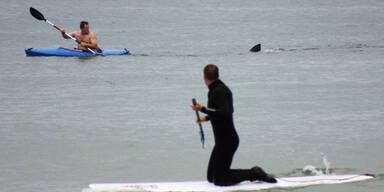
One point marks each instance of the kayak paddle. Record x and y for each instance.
(39, 16)
(201, 127)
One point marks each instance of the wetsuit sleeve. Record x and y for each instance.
(221, 108)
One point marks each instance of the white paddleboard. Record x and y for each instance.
(204, 186)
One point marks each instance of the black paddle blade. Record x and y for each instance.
(36, 14)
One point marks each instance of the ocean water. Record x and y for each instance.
(315, 90)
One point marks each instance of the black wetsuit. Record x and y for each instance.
(219, 111)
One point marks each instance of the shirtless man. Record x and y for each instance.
(86, 38)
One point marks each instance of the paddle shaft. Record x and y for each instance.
(53, 25)
(200, 126)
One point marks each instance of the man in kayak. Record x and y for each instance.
(85, 37)
(220, 113)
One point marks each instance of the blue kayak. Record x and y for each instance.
(64, 52)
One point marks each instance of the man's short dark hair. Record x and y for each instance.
(83, 23)
(211, 72)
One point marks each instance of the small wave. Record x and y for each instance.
(349, 46)
(163, 55)
(274, 50)
(330, 46)
(311, 48)
(277, 50)
(312, 170)
(140, 55)
(355, 46)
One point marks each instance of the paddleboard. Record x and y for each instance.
(204, 186)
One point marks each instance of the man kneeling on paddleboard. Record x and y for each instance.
(220, 113)
(85, 38)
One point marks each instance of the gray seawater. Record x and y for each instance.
(316, 88)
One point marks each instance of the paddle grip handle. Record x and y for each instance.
(194, 103)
